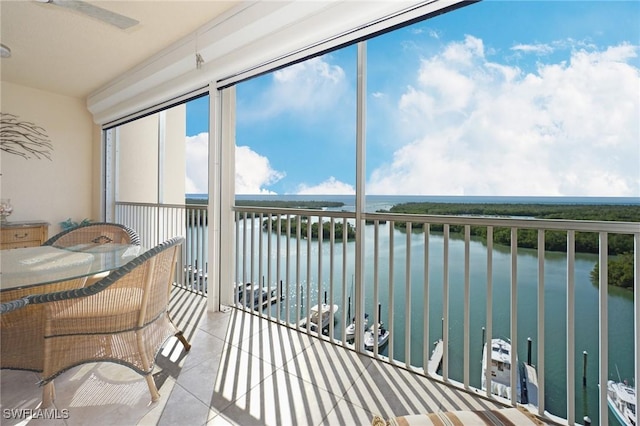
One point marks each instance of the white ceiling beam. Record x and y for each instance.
(249, 37)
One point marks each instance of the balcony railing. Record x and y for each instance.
(427, 285)
(158, 222)
(426, 280)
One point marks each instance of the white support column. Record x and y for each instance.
(221, 197)
(109, 175)
(361, 99)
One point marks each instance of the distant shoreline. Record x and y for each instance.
(375, 202)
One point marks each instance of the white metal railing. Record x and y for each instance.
(156, 223)
(422, 279)
(283, 270)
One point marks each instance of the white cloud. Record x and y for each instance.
(197, 164)
(307, 87)
(330, 186)
(487, 128)
(540, 49)
(253, 171)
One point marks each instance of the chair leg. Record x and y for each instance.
(153, 390)
(48, 394)
(185, 342)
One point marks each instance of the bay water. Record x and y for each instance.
(334, 283)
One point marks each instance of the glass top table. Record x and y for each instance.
(36, 266)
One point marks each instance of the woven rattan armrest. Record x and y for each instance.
(95, 233)
(12, 305)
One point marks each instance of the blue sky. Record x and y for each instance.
(537, 98)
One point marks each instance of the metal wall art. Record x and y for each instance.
(23, 138)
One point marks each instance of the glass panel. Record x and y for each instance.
(507, 99)
(197, 148)
(151, 160)
(514, 102)
(295, 129)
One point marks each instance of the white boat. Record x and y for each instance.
(350, 331)
(500, 369)
(261, 296)
(622, 402)
(369, 337)
(319, 315)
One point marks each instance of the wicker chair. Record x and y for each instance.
(12, 305)
(122, 318)
(90, 235)
(22, 326)
(94, 233)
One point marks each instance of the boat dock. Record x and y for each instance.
(262, 296)
(435, 360)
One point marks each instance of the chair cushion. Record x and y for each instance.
(503, 417)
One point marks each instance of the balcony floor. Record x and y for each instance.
(241, 370)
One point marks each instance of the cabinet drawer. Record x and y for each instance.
(20, 244)
(23, 236)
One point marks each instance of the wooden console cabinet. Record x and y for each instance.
(23, 234)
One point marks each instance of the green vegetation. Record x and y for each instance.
(620, 213)
(272, 224)
(282, 204)
(620, 268)
(619, 271)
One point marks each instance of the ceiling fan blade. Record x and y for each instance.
(120, 21)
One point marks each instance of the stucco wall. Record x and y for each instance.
(64, 187)
(137, 176)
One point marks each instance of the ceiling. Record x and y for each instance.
(63, 51)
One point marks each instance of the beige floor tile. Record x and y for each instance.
(238, 372)
(276, 344)
(328, 366)
(346, 413)
(216, 323)
(242, 325)
(183, 408)
(241, 370)
(282, 399)
(390, 391)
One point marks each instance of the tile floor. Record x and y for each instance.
(241, 370)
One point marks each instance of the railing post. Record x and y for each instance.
(570, 361)
(603, 336)
(514, 314)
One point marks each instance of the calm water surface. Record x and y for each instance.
(334, 283)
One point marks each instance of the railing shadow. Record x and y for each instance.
(186, 309)
(271, 373)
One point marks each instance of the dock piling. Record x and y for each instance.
(584, 368)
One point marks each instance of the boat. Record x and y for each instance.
(319, 315)
(500, 369)
(260, 295)
(622, 401)
(369, 337)
(350, 331)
